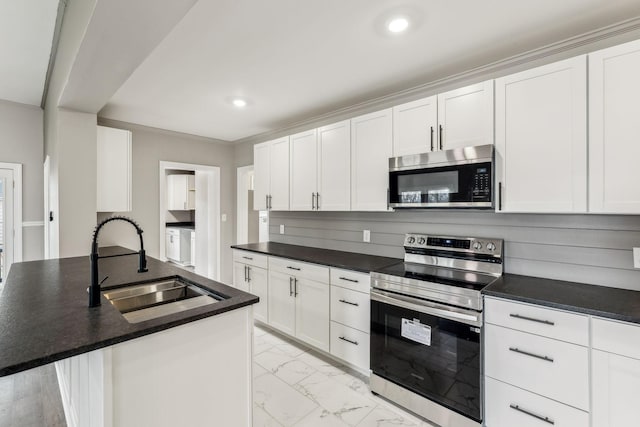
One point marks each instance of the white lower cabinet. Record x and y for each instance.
(250, 275)
(615, 371)
(513, 406)
(299, 300)
(350, 344)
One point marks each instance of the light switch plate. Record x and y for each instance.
(281, 228)
(224, 217)
(636, 257)
(366, 236)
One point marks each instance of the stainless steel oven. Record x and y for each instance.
(426, 327)
(458, 178)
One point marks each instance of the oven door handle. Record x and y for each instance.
(426, 307)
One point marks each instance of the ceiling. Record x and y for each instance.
(26, 36)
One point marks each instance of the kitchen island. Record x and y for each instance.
(188, 368)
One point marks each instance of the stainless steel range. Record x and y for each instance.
(426, 326)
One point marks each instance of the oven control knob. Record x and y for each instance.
(411, 240)
(477, 246)
(491, 246)
(422, 241)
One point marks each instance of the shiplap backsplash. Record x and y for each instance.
(592, 249)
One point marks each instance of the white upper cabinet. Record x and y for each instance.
(371, 147)
(414, 127)
(271, 175)
(541, 139)
(334, 167)
(454, 119)
(614, 129)
(465, 116)
(113, 170)
(181, 192)
(304, 170)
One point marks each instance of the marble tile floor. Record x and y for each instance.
(295, 386)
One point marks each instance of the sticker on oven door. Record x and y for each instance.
(416, 331)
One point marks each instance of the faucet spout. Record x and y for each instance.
(94, 288)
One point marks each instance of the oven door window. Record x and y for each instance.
(434, 357)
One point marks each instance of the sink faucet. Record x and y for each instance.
(94, 289)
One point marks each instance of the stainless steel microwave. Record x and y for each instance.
(457, 178)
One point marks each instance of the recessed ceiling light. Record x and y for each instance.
(398, 25)
(239, 102)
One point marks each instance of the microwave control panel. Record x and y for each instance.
(482, 184)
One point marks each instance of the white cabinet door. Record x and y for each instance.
(541, 139)
(173, 245)
(312, 312)
(371, 147)
(258, 285)
(414, 127)
(304, 170)
(615, 386)
(113, 170)
(614, 129)
(281, 302)
(334, 167)
(465, 116)
(279, 168)
(240, 276)
(261, 176)
(180, 192)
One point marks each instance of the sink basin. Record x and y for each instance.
(146, 301)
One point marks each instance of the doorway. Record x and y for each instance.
(10, 217)
(205, 215)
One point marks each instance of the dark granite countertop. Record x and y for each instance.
(45, 314)
(340, 259)
(613, 303)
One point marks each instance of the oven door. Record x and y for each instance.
(418, 348)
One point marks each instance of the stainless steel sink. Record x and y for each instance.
(145, 301)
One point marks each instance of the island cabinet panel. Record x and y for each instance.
(196, 374)
(541, 139)
(614, 129)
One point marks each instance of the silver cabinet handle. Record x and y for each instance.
(266, 201)
(293, 268)
(440, 136)
(348, 340)
(531, 319)
(348, 302)
(431, 138)
(317, 201)
(248, 274)
(270, 200)
(295, 287)
(531, 414)
(290, 286)
(313, 201)
(245, 273)
(526, 353)
(500, 196)
(248, 257)
(349, 280)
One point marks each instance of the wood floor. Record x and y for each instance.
(31, 399)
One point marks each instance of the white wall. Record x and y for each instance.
(150, 146)
(21, 141)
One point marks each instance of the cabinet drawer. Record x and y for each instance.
(250, 258)
(538, 320)
(350, 279)
(552, 368)
(350, 308)
(511, 406)
(616, 337)
(350, 345)
(300, 269)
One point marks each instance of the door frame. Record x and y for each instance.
(14, 234)
(242, 185)
(213, 238)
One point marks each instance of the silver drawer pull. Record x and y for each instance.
(531, 319)
(526, 353)
(293, 268)
(348, 340)
(531, 414)
(348, 280)
(248, 257)
(348, 302)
